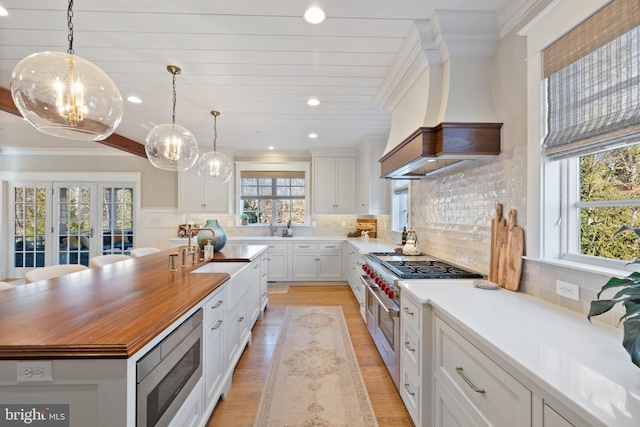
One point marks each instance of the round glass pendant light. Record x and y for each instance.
(215, 166)
(170, 146)
(66, 96)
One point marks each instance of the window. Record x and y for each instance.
(273, 193)
(592, 81)
(29, 224)
(400, 201)
(117, 219)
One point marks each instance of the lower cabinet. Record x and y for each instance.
(191, 413)
(215, 361)
(317, 261)
(278, 258)
(354, 273)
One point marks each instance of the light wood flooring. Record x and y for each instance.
(240, 406)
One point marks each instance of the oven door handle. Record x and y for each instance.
(388, 307)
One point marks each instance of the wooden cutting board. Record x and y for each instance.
(507, 248)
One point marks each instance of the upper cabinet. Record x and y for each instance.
(373, 193)
(198, 195)
(334, 185)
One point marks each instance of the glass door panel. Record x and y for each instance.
(29, 226)
(74, 219)
(117, 219)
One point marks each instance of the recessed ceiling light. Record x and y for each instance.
(313, 102)
(313, 135)
(3, 11)
(314, 15)
(134, 99)
(271, 147)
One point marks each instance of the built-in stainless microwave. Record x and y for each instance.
(167, 374)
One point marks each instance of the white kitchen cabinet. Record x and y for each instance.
(317, 261)
(264, 277)
(278, 259)
(552, 418)
(214, 346)
(487, 392)
(373, 193)
(238, 314)
(255, 291)
(354, 273)
(334, 185)
(446, 411)
(416, 374)
(198, 195)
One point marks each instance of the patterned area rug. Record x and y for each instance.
(314, 378)
(277, 289)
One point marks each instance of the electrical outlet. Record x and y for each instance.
(568, 290)
(344, 223)
(229, 223)
(313, 224)
(35, 371)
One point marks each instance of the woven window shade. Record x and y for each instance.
(593, 83)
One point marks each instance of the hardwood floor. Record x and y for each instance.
(240, 406)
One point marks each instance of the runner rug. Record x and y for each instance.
(314, 378)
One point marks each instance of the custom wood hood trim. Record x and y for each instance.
(114, 140)
(429, 149)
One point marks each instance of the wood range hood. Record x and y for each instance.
(429, 150)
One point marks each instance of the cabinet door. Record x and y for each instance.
(255, 292)
(551, 418)
(214, 360)
(304, 265)
(329, 266)
(447, 413)
(346, 185)
(278, 266)
(324, 184)
(197, 195)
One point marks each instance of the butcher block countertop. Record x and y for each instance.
(105, 312)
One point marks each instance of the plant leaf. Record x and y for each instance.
(631, 291)
(615, 282)
(625, 227)
(631, 341)
(600, 306)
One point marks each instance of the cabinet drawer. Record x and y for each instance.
(278, 246)
(305, 246)
(214, 306)
(487, 391)
(411, 313)
(330, 246)
(410, 392)
(411, 350)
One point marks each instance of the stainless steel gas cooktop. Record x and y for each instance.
(421, 267)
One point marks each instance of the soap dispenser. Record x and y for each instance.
(208, 250)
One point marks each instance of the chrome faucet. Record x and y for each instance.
(273, 229)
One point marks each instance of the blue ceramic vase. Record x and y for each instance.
(218, 240)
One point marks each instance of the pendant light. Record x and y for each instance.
(170, 146)
(66, 96)
(215, 166)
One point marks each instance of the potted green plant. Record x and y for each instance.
(629, 297)
(244, 217)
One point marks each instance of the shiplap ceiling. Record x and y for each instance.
(258, 62)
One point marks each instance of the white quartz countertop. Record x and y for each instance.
(582, 365)
(231, 268)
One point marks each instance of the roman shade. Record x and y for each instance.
(592, 75)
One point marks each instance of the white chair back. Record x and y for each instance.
(5, 285)
(138, 252)
(100, 260)
(49, 272)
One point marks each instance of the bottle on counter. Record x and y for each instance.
(208, 250)
(404, 236)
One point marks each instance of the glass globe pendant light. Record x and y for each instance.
(66, 96)
(215, 166)
(170, 146)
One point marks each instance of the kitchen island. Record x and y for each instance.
(88, 329)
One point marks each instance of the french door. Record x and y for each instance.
(69, 222)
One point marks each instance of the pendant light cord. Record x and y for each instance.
(215, 131)
(70, 27)
(173, 116)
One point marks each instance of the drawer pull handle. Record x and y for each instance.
(409, 392)
(406, 310)
(217, 325)
(301, 246)
(476, 389)
(218, 304)
(406, 344)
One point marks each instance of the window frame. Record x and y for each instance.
(304, 167)
(400, 186)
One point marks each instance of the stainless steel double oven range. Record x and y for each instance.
(382, 271)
